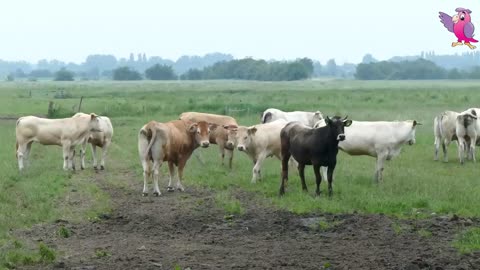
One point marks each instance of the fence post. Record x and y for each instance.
(50, 109)
(80, 105)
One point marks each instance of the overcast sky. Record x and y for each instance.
(270, 29)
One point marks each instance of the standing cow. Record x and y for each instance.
(306, 118)
(174, 142)
(444, 130)
(382, 140)
(219, 135)
(66, 132)
(467, 129)
(259, 142)
(317, 147)
(101, 139)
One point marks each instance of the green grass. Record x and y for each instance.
(468, 241)
(413, 182)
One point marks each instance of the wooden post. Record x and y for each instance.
(50, 109)
(80, 105)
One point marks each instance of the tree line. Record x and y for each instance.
(420, 69)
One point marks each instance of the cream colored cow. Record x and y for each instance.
(66, 132)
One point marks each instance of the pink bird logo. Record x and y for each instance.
(461, 25)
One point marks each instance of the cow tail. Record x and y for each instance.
(440, 127)
(145, 132)
(266, 117)
(16, 149)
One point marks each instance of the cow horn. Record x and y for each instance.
(345, 118)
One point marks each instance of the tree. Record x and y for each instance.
(192, 74)
(331, 67)
(126, 74)
(63, 75)
(160, 72)
(368, 58)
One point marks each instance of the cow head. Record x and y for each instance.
(202, 132)
(244, 136)
(411, 135)
(231, 131)
(337, 126)
(317, 116)
(94, 123)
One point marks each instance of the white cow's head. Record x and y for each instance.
(243, 138)
(411, 135)
(94, 123)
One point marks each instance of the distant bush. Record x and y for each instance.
(10, 78)
(160, 72)
(126, 74)
(192, 74)
(63, 75)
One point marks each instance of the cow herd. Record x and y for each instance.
(296, 138)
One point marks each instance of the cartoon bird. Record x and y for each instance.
(460, 24)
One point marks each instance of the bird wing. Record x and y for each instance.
(446, 20)
(468, 29)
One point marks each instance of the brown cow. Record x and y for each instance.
(219, 136)
(174, 142)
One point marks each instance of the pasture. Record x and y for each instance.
(416, 193)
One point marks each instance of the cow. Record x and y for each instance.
(444, 130)
(317, 147)
(306, 118)
(467, 129)
(66, 132)
(382, 140)
(219, 135)
(173, 142)
(258, 142)
(101, 139)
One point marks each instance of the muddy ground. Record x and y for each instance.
(188, 230)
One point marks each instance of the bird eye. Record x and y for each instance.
(462, 17)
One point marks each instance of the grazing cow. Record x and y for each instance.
(259, 142)
(444, 129)
(66, 132)
(467, 129)
(174, 142)
(306, 118)
(100, 139)
(379, 139)
(317, 147)
(218, 136)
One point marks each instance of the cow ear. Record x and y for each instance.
(318, 114)
(415, 123)
(328, 121)
(193, 127)
(347, 122)
(93, 116)
(212, 126)
(251, 131)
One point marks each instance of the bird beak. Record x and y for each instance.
(455, 18)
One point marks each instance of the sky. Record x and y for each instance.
(346, 30)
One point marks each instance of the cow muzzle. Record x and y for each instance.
(205, 144)
(411, 142)
(241, 148)
(229, 144)
(341, 137)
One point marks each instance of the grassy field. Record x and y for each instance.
(414, 185)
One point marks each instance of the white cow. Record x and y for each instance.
(306, 118)
(379, 139)
(468, 130)
(66, 132)
(259, 142)
(101, 139)
(444, 126)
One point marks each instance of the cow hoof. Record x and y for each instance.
(145, 194)
(181, 189)
(170, 189)
(82, 168)
(156, 194)
(95, 167)
(102, 168)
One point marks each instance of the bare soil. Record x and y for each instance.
(188, 230)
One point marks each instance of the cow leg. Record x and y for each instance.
(66, 155)
(104, 154)
(181, 165)
(171, 170)
(222, 153)
(285, 157)
(461, 149)
(257, 167)
(27, 154)
(301, 172)
(146, 174)
(445, 145)
(379, 167)
(94, 156)
(230, 158)
(72, 157)
(21, 150)
(318, 178)
(330, 179)
(156, 176)
(437, 147)
(83, 152)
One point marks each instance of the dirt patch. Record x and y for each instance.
(188, 230)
